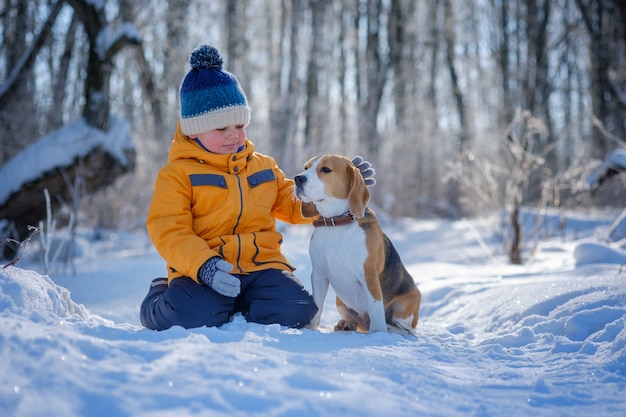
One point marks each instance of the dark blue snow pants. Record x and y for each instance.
(267, 297)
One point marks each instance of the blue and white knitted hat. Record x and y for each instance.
(210, 98)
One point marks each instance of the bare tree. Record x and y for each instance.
(59, 88)
(371, 71)
(523, 161)
(284, 83)
(16, 90)
(316, 109)
(102, 49)
(607, 30)
(236, 45)
(464, 134)
(505, 186)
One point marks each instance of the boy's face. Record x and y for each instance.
(225, 140)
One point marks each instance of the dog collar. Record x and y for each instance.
(342, 220)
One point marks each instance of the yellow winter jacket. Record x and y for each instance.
(207, 204)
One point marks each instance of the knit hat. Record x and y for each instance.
(210, 98)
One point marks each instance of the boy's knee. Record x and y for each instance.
(307, 312)
(183, 304)
(147, 310)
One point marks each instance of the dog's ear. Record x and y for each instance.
(308, 163)
(308, 210)
(359, 195)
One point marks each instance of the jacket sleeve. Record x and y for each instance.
(288, 208)
(170, 224)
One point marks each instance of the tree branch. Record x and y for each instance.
(27, 59)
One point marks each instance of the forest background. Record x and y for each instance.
(463, 107)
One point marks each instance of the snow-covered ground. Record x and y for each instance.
(546, 338)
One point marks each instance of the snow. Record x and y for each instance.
(616, 160)
(109, 36)
(60, 148)
(545, 338)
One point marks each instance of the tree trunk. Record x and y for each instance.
(17, 88)
(373, 72)
(316, 105)
(99, 63)
(284, 88)
(55, 116)
(236, 44)
(606, 30)
(450, 40)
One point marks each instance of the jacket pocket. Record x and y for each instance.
(263, 188)
(210, 192)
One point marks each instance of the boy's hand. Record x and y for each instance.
(215, 274)
(366, 170)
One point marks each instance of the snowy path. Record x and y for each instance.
(547, 338)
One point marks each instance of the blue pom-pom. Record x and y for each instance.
(206, 57)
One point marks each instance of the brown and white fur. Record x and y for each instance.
(375, 292)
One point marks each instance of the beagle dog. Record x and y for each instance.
(349, 251)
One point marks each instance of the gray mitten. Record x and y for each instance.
(366, 170)
(215, 274)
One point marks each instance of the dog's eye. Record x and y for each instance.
(325, 170)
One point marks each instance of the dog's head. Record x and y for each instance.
(334, 185)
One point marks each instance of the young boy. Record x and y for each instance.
(213, 215)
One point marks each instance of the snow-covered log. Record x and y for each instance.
(612, 165)
(77, 149)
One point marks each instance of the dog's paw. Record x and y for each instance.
(396, 328)
(312, 326)
(345, 326)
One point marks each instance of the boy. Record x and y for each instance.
(213, 215)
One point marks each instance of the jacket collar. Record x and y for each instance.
(183, 147)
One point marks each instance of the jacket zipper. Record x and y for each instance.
(239, 245)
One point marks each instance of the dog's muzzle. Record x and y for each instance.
(300, 182)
